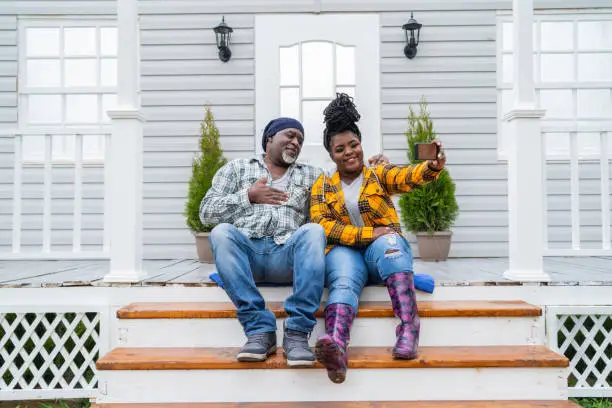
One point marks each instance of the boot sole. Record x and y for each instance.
(252, 357)
(329, 355)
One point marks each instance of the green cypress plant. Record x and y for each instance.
(431, 207)
(203, 169)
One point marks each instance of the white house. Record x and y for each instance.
(100, 107)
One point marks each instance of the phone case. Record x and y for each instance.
(426, 151)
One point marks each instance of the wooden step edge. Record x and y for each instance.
(226, 310)
(356, 404)
(184, 358)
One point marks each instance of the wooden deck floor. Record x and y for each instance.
(188, 272)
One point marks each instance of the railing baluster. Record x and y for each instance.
(17, 171)
(48, 168)
(107, 193)
(605, 191)
(78, 194)
(575, 190)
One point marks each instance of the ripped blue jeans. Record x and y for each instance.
(349, 269)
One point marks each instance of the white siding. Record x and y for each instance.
(180, 74)
(8, 120)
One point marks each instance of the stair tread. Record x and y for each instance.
(364, 404)
(185, 358)
(216, 310)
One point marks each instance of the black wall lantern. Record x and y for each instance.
(412, 41)
(223, 32)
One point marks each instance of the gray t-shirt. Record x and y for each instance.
(351, 200)
(281, 183)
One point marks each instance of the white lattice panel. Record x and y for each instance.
(48, 353)
(584, 336)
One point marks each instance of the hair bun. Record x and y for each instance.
(340, 111)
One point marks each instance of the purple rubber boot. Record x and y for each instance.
(331, 348)
(403, 299)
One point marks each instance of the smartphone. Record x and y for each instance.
(426, 151)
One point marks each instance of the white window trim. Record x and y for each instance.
(103, 129)
(554, 126)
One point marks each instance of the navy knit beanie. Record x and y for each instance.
(276, 125)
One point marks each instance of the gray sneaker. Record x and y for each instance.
(296, 349)
(258, 347)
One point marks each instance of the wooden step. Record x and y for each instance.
(369, 404)
(224, 310)
(359, 357)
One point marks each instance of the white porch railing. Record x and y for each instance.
(47, 163)
(594, 156)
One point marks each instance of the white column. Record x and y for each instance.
(125, 162)
(525, 175)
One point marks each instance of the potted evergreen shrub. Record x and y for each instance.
(430, 210)
(203, 168)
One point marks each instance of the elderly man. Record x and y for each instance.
(261, 207)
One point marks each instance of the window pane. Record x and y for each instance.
(557, 68)
(80, 41)
(108, 41)
(349, 90)
(43, 73)
(345, 65)
(81, 109)
(508, 68)
(42, 42)
(594, 103)
(289, 65)
(595, 67)
(109, 102)
(317, 70)
(507, 36)
(588, 144)
(108, 72)
(44, 109)
(594, 35)
(557, 36)
(290, 102)
(62, 147)
(93, 147)
(81, 72)
(558, 144)
(313, 122)
(558, 103)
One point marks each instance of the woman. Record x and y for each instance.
(364, 239)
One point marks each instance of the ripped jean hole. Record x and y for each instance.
(392, 253)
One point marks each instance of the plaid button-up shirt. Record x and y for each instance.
(227, 200)
(375, 205)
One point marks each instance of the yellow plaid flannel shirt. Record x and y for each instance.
(375, 205)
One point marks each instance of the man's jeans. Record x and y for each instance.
(243, 262)
(349, 269)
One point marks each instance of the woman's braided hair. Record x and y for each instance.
(340, 115)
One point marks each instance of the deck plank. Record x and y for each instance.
(187, 272)
(169, 358)
(371, 309)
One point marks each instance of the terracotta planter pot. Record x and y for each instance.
(205, 254)
(434, 247)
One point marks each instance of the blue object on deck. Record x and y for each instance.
(422, 282)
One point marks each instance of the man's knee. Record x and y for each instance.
(313, 233)
(222, 233)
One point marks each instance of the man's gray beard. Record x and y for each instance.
(287, 158)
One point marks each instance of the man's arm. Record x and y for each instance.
(335, 231)
(224, 202)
